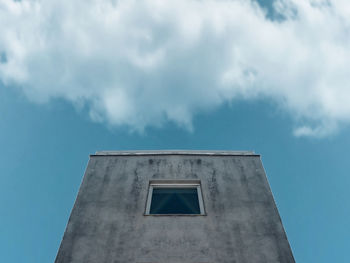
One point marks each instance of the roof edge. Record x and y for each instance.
(174, 152)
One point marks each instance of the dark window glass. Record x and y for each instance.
(175, 201)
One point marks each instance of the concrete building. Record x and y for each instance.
(174, 207)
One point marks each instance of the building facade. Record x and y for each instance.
(174, 207)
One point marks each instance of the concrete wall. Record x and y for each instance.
(108, 225)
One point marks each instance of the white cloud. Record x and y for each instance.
(140, 62)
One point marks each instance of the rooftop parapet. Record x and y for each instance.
(176, 152)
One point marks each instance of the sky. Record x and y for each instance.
(269, 76)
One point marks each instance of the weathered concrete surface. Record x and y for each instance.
(108, 225)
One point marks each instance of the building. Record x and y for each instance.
(174, 207)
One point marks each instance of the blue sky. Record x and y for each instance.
(45, 150)
(186, 75)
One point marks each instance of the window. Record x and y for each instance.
(168, 197)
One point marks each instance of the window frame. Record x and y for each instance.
(175, 184)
